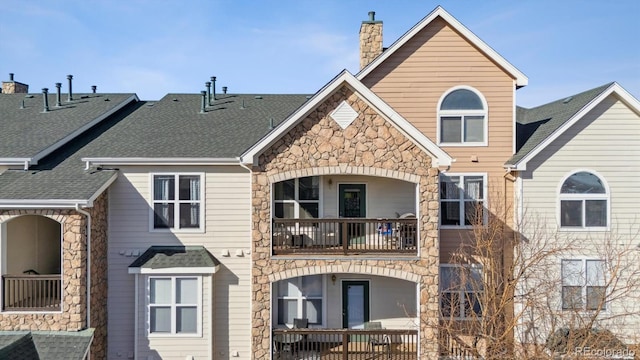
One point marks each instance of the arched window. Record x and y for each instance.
(584, 201)
(462, 118)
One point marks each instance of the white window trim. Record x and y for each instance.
(148, 306)
(461, 200)
(440, 113)
(584, 310)
(299, 301)
(176, 213)
(606, 196)
(460, 292)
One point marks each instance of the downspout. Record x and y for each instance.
(88, 215)
(251, 242)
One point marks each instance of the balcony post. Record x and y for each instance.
(344, 237)
(345, 345)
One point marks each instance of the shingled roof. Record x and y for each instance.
(45, 345)
(536, 124)
(174, 127)
(164, 257)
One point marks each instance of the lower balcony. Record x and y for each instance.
(346, 236)
(31, 292)
(345, 344)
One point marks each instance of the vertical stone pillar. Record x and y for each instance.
(370, 40)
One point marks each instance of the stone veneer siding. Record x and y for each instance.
(370, 41)
(317, 145)
(74, 276)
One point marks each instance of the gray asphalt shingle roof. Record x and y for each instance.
(160, 257)
(28, 131)
(536, 124)
(174, 127)
(45, 345)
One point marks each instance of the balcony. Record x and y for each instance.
(345, 344)
(31, 292)
(345, 236)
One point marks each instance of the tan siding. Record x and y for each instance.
(617, 160)
(227, 226)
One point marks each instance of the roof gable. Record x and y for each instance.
(439, 12)
(441, 158)
(557, 117)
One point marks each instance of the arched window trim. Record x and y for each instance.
(560, 197)
(484, 112)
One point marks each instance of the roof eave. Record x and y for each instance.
(115, 161)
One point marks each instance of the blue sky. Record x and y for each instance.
(154, 47)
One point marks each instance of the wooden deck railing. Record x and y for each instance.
(345, 344)
(31, 292)
(346, 236)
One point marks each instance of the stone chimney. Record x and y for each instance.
(370, 40)
(14, 87)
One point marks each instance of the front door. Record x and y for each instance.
(355, 304)
(352, 203)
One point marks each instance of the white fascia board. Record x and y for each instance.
(82, 129)
(115, 161)
(615, 88)
(520, 78)
(22, 162)
(176, 270)
(43, 204)
(441, 157)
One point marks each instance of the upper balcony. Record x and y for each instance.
(344, 215)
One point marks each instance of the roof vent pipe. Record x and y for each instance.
(372, 16)
(224, 90)
(213, 82)
(204, 99)
(10, 76)
(208, 85)
(271, 124)
(70, 97)
(45, 97)
(58, 95)
(94, 88)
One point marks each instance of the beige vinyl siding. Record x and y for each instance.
(227, 227)
(604, 141)
(384, 197)
(417, 75)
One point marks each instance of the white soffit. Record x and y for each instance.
(344, 115)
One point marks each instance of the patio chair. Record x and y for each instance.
(301, 324)
(377, 340)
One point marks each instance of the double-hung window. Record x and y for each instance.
(461, 288)
(583, 202)
(297, 198)
(462, 200)
(177, 201)
(174, 305)
(583, 284)
(462, 118)
(301, 298)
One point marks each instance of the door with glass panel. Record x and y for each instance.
(299, 298)
(352, 204)
(355, 304)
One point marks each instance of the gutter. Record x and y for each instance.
(24, 162)
(114, 161)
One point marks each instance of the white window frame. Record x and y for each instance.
(463, 113)
(584, 286)
(300, 301)
(296, 200)
(461, 294)
(176, 201)
(173, 306)
(583, 198)
(462, 200)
